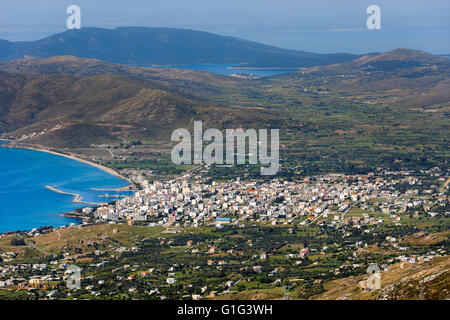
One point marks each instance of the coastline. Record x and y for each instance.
(76, 197)
(179, 66)
(256, 68)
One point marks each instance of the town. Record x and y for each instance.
(196, 238)
(190, 201)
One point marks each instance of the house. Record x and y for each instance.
(213, 293)
(212, 249)
(257, 269)
(35, 283)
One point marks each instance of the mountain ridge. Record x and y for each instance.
(197, 82)
(390, 108)
(164, 46)
(66, 110)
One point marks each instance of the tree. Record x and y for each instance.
(18, 242)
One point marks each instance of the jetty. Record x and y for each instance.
(127, 188)
(76, 197)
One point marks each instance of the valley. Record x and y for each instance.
(349, 117)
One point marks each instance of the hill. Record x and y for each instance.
(163, 46)
(390, 61)
(197, 82)
(402, 76)
(425, 280)
(400, 69)
(349, 117)
(65, 110)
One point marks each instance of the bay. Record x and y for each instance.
(25, 203)
(225, 69)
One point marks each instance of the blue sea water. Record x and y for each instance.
(223, 69)
(25, 203)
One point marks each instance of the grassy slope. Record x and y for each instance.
(402, 281)
(93, 109)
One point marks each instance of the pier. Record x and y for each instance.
(76, 197)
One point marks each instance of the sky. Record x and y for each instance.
(322, 26)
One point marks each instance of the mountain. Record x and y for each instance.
(390, 61)
(394, 104)
(399, 58)
(6, 48)
(164, 46)
(65, 110)
(196, 82)
(411, 78)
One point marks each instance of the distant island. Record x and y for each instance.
(165, 46)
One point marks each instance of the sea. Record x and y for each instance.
(224, 69)
(25, 203)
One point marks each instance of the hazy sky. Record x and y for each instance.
(315, 25)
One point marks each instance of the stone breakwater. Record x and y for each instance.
(76, 197)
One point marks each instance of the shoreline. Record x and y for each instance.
(77, 198)
(256, 68)
(180, 66)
